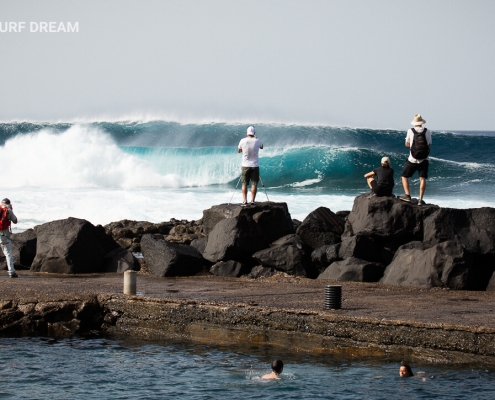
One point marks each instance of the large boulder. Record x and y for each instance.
(229, 268)
(288, 254)
(323, 256)
(244, 230)
(474, 229)
(360, 246)
(170, 259)
(266, 214)
(446, 264)
(67, 246)
(388, 218)
(353, 270)
(23, 250)
(321, 227)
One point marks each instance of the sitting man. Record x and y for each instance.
(384, 182)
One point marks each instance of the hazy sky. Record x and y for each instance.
(353, 63)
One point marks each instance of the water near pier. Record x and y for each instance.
(39, 368)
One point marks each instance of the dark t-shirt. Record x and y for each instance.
(384, 177)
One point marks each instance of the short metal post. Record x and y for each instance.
(333, 297)
(130, 282)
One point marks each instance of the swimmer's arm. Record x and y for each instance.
(370, 174)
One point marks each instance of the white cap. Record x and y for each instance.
(251, 131)
(386, 160)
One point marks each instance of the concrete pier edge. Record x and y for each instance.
(300, 330)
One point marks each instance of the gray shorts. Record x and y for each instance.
(250, 174)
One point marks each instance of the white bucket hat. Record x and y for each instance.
(385, 160)
(418, 120)
(251, 131)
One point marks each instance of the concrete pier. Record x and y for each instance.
(375, 319)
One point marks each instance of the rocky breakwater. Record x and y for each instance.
(382, 239)
(394, 242)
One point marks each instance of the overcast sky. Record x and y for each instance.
(349, 63)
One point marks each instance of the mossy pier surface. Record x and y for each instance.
(375, 319)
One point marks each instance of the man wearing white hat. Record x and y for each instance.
(249, 147)
(418, 140)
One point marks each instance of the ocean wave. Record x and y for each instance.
(161, 155)
(77, 158)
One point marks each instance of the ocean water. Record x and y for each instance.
(40, 368)
(157, 170)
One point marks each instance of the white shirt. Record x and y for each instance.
(250, 147)
(410, 139)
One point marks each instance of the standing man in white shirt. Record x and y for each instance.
(249, 147)
(418, 140)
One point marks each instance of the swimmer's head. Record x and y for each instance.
(277, 366)
(405, 371)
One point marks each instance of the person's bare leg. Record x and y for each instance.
(368, 180)
(405, 184)
(254, 190)
(422, 187)
(244, 192)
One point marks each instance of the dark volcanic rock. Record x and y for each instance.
(353, 270)
(323, 256)
(67, 246)
(473, 228)
(321, 227)
(228, 268)
(239, 232)
(287, 254)
(387, 217)
(296, 223)
(343, 214)
(261, 272)
(120, 260)
(199, 244)
(170, 259)
(272, 219)
(491, 284)
(360, 246)
(446, 264)
(107, 242)
(23, 250)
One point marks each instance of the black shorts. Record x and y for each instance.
(380, 190)
(410, 168)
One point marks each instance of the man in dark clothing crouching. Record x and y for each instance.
(381, 180)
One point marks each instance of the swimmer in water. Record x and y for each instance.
(277, 368)
(405, 371)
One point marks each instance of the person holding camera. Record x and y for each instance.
(6, 217)
(250, 168)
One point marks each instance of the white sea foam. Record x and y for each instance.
(77, 158)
